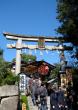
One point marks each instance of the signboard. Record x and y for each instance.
(41, 43)
(22, 82)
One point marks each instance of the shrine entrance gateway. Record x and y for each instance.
(41, 45)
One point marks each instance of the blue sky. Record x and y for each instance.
(29, 17)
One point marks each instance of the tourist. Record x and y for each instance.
(39, 81)
(43, 96)
(37, 85)
(61, 99)
(53, 99)
(32, 89)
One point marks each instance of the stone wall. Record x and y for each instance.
(8, 97)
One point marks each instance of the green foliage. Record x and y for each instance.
(75, 73)
(10, 80)
(1, 52)
(24, 100)
(14, 59)
(6, 76)
(3, 70)
(75, 80)
(67, 15)
(55, 71)
(27, 58)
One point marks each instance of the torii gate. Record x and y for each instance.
(41, 45)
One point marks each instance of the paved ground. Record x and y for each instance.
(32, 107)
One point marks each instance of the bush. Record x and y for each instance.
(10, 80)
(24, 100)
(6, 76)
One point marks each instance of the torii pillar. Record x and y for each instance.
(18, 56)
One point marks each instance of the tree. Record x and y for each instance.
(1, 52)
(67, 11)
(55, 71)
(6, 76)
(28, 58)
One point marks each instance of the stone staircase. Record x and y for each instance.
(32, 107)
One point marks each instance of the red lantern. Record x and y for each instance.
(43, 70)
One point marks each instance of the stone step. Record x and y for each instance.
(32, 107)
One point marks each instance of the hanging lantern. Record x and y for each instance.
(43, 70)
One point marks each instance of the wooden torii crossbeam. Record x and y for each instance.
(34, 38)
(41, 45)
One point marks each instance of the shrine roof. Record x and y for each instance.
(38, 63)
(35, 63)
(32, 67)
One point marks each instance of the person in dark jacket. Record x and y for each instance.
(43, 96)
(33, 88)
(61, 98)
(53, 100)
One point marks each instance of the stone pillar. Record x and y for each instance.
(18, 56)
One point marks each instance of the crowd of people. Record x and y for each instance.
(57, 99)
(39, 94)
